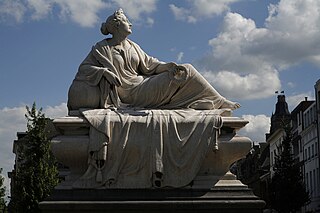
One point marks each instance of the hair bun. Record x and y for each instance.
(104, 29)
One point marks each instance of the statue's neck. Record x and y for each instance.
(117, 40)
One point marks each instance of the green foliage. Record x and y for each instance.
(288, 192)
(36, 175)
(2, 193)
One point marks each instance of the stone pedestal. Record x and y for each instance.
(228, 195)
(214, 189)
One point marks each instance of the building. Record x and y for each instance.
(254, 170)
(311, 151)
(305, 148)
(279, 119)
(305, 123)
(298, 125)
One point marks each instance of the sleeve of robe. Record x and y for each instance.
(148, 65)
(98, 61)
(92, 70)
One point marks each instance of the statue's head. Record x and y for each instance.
(111, 25)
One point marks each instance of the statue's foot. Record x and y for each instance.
(230, 105)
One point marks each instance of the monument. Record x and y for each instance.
(145, 135)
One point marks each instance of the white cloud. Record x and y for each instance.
(41, 8)
(138, 10)
(150, 21)
(257, 127)
(248, 59)
(294, 100)
(13, 121)
(182, 14)
(82, 12)
(180, 56)
(199, 9)
(56, 111)
(250, 86)
(12, 9)
(291, 84)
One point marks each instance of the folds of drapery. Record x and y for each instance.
(134, 145)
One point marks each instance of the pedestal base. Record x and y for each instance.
(218, 199)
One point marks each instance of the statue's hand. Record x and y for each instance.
(180, 72)
(112, 78)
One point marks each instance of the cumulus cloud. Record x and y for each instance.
(199, 9)
(257, 127)
(82, 12)
(13, 121)
(182, 14)
(246, 60)
(180, 56)
(41, 8)
(250, 86)
(294, 100)
(149, 21)
(136, 8)
(12, 9)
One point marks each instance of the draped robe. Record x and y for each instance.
(143, 84)
(161, 148)
(148, 148)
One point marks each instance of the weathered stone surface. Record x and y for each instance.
(224, 197)
(72, 149)
(117, 75)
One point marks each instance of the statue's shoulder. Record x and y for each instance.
(103, 43)
(134, 44)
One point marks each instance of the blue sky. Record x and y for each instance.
(247, 49)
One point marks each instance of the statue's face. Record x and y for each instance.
(125, 25)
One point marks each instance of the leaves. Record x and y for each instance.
(2, 192)
(36, 174)
(288, 192)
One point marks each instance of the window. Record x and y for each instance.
(300, 146)
(311, 187)
(309, 153)
(315, 181)
(318, 179)
(307, 181)
(305, 154)
(312, 147)
(299, 115)
(319, 99)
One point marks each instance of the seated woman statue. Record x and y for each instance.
(118, 73)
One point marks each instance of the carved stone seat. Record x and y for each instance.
(70, 147)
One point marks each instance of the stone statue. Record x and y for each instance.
(151, 124)
(118, 73)
(144, 135)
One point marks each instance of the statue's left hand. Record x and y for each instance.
(180, 72)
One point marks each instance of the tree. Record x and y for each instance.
(36, 175)
(2, 193)
(288, 192)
